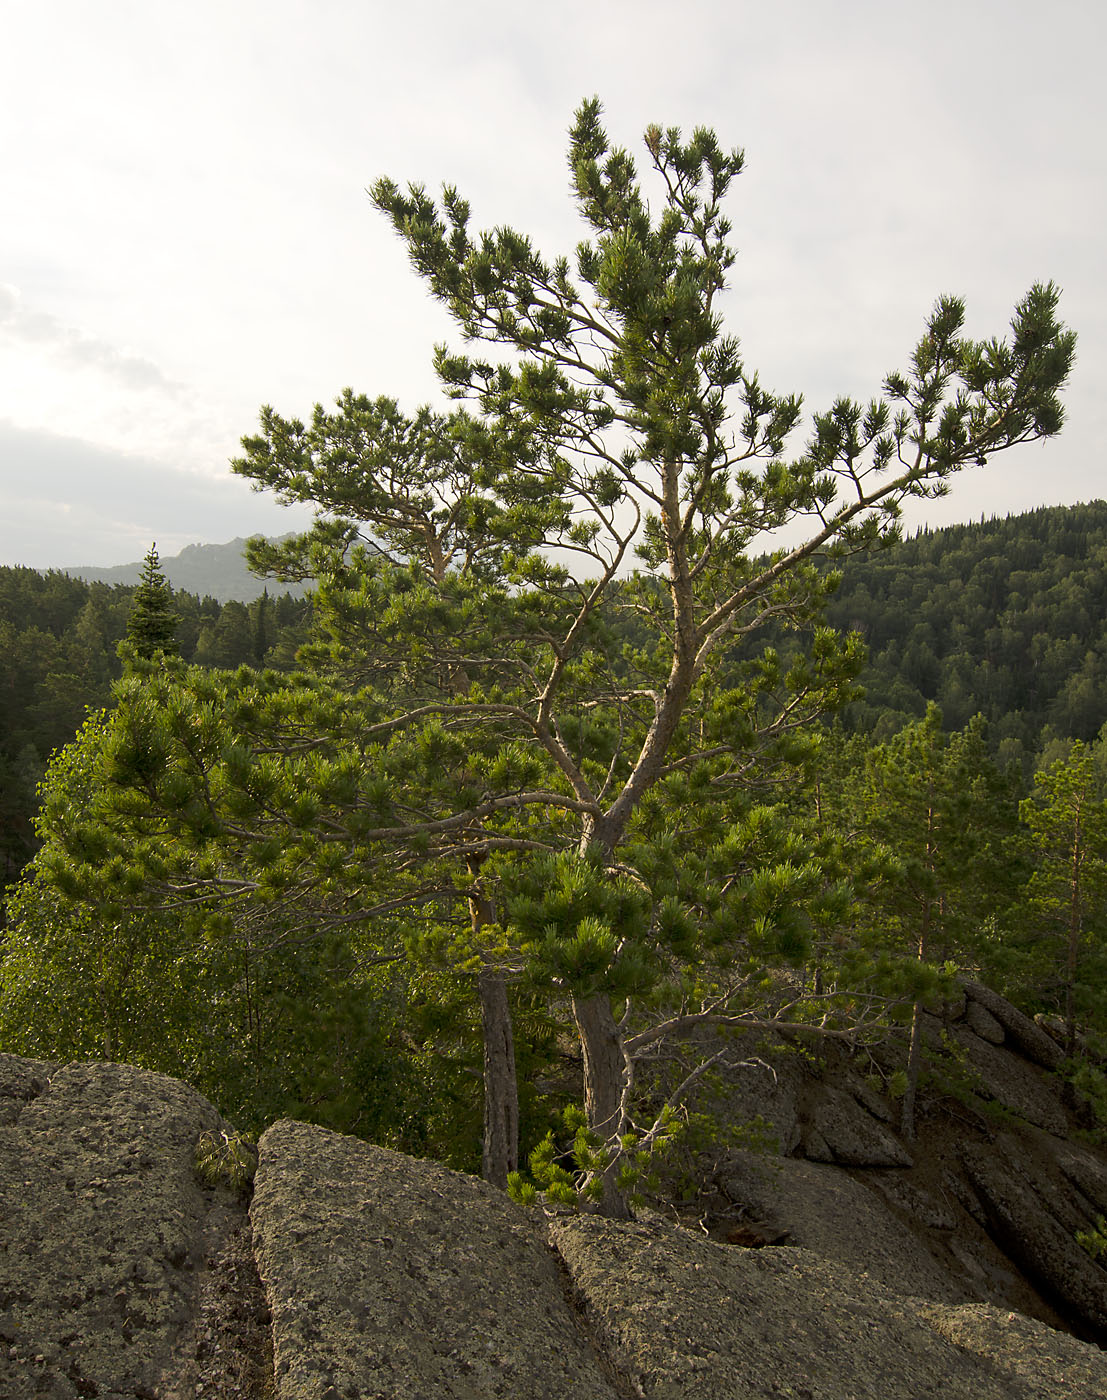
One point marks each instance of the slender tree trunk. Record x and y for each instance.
(605, 1063)
(604, 1071)
(914, 1062)
(501, 1090)
(500, 1153)
(1073, 940)
(914, 1053)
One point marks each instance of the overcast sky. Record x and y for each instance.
(185, 233)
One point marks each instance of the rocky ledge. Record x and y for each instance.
(353, 1273)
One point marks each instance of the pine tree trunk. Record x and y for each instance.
(604, 1071)
(914, 1062)
(914, 1053)
(1073, 940)
(500, 1154)
(501, 1090)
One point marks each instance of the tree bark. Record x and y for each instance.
(501, 1091)
(914, 1053)
(604, 1070)
(914, 1062)
(500, 1153)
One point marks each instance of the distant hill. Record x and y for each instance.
(208, 570)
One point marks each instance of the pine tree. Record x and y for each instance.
(1067, 818)
(152, 625)
(534, 756)
(945, 815)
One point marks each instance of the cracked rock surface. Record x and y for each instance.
(687, 1319)
(361, 1274)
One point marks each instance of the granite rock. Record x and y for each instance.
(394, 1279)
(686, 1319)
(104, 1232)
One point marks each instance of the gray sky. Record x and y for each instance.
(186, 234)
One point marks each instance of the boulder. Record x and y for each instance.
(1041, 1362)
(1015, 1085)
(838, 1129)
(683, 1318)
(982, 1023)
(872, 1102)
(944, 1218)
(770, 1087)
(1087, 1173)
(1034, 1220)
(839, 1219)
(104, 1231)
(124, 1277)
(394, 1279)
(1025, 1035)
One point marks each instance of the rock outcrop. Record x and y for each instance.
(680, 1318)
(106, 1232)
(392, 1277)
(984, 1206)
(946, 1266)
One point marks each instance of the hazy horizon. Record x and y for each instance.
(75, 567)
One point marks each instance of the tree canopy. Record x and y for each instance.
(60, 637)
(1001, 617)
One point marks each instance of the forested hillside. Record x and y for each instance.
(58, 638)
(900, 847)
(514, 840)
(1005, 618)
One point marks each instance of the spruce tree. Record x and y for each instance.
(260, 610)
(152, 625)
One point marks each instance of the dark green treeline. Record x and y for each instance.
(58, 639)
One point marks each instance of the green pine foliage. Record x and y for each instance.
(1066, 816)
(936, 823)
(60, 637)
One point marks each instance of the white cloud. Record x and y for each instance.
(187, 224)
(75, 348)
